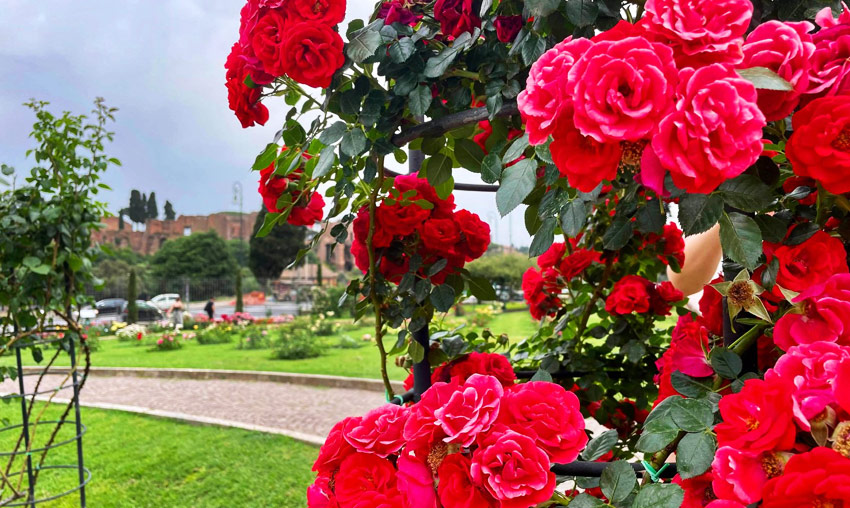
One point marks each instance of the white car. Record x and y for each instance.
(165, 300)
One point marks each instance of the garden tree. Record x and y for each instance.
(46, 256)
(132, 295)
(503, 270)
(168, 210)
(136, 210)
(319, 277)
(239, 304)
(152, 212)
(239, 249)
(270, 254)
(121, 220)
(194, 257)
(594, 115)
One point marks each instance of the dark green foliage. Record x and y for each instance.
(137, 211)
(272, 253)
(151, 210)
(296, 342)
(132, 294)
(239, 303)
(168, 209)
(195, 257)
(239, 249)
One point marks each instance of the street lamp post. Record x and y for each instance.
(237, 199)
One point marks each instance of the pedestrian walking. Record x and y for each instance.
(176, 312)
(209, 308)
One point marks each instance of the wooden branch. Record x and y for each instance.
(449, 123)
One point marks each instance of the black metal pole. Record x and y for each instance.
(78, 424)
(422, 370)
(26, 428)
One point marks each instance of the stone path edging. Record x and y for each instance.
(315, 380)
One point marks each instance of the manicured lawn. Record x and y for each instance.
(141, 462)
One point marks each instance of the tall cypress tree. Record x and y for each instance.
(132, 310)
(168, 209)
(151, 209)
(136, 210)
(239, 304)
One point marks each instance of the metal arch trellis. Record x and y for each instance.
(32, 468)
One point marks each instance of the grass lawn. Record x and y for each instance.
(140, 462)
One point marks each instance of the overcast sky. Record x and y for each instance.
(161, 63)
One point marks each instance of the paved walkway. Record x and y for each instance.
(296, 410)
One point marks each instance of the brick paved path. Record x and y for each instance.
(300, 409)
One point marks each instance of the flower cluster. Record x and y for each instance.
(470, 443)
(415, 223)
(460, 369)
(294, 38)
(634, 294)
(282, 192)
(168, 342)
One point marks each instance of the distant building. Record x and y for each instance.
(156, 232)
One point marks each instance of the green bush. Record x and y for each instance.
(326, 299)
(296, 342)
(168, 342)
(256, 339)
(348, 342)
(214, 335)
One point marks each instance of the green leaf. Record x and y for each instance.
(40, 269)
(363, 44)
(517, 183)
(772, 228)
(692, 415)
(689, 386)
(746, 192)
(618, 234)
(659, 495)
(401, 50)
(582, 13)
(650, 219)
(353, 143)
(468, 154)
(586, 501)
(75, 262)
(491, 168)
(600, 445)
(618, 480)
(741, 239)
(725, 363)
(326, 162)
(542, 375)
(543, 238)
(573, 217)
(438, 169)
(416, 351)
(266, 157)
(541, 8)
(481, 288)
(439, 64)
(532, 48)
(443, 297)
(333, 133)
(517, 147)
(801, 233)
(419, 100)
(656, 435)
(694, 454)
(765, 79)
(269, 221)
(699, 212)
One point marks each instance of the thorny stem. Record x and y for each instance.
(373, 280)
(582, 326)
(660, 457)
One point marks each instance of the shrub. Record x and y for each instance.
(131, 332)
(92, 340)
(168, 342)
(482, 316)
(257, 339)
(326, 299)
(323, 326)
(348, 342)
(215, 335)
(295, 343)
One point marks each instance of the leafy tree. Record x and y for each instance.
(272, 253)
(136, 210)
(132, 294)
(151, 208)
(239, 249)
(169, 211)
(198, 256)
(121, 220)
(504, 270)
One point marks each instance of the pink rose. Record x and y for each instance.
(335, 449)
(812, 369)
(621, 89)
(362, 476)
(824, 18)
(826, 314)
(828, 71)
(841, 386)
(471, 409)
(582, 160)
(701, 32)
(546, 92)
(689, 347)
(456, 488)
(757, 418)
(415, 480)
(740, 475)
(785, 48)
(513, 469)
(320, 494)
(379, 431)
(422, 426)
(725, 503)
(549, 412)
(715, 132)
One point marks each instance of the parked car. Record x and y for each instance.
(148, 312)
(110, 306)
(165, 300)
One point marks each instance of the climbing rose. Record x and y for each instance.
(512, 469)
(811, 262)
(629, 294)
(582, 160)
(712, 100)
(786, 49)
(507, 27)
(820, 477)
(820, 145)
(740, 475)
(312, 53)
(697, 490)
(574, 264)
(700, 32)
(757, 418)
(549, 412)
(491, 364)
(309, 213)
(379, 431)
(456, 16)
(320, 495)
(540, 303)
(475, 234)
(363, 476)
(546, 93)
(329, 12)
(242, 100)
(689, 346)
(267, 42)
(456, 488)
(828, 72)
(415, 479)
(335, 449)
(621, 89)
(470, 410)
(422, 426)
(826, 312)
(440, 235)
(711, 308)
(396, 12)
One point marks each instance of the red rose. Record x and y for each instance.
(476, 234)
(711, 308)
(507, 27)
(661, 296)
(320, 494)
(739, 475)
(551, 414)
(674, 244)
(841, 386)
(785, 48)
(689, 348)
(416, 477)
(828, 73)
(820, 145)
(456, 16)
(574, 264)
(398, 220)
(826, 315)
(440, 235)
(243, 101)
(470, 410)
(513, 469)
(396, 12)
(811, 262)
(309, 214)
(630, 294)
(312, 53)
(267, 42)
(540, 303)
(552, 256)
(363, 476)
(456, 488)
(794, 182)
(328, 12)
(757, 418)
(379, 431)
(335, 448)
(697, 490)
(442, 207)
(582, 160)
(491, 364)
(820, 477)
